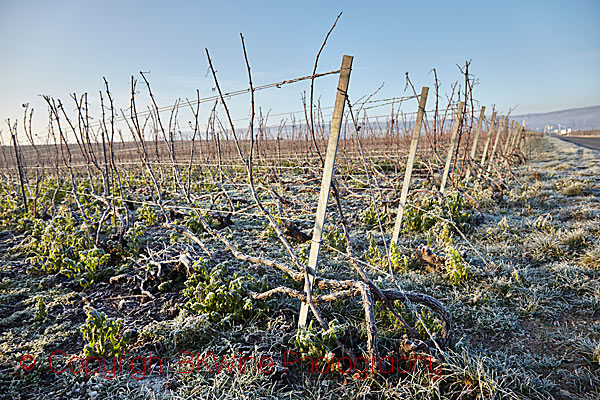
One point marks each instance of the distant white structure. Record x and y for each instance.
(560, 130)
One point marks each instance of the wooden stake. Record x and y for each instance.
(452, 145)
(475, 140)
(509, 138)
(500, 129)
(19, 166)
(332, 145)
(515, 137)
(520, 139)
(521, 136)
(489, 139)
(410, 163)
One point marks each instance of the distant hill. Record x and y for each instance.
(575, 118)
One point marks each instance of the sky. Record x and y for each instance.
(537, 56)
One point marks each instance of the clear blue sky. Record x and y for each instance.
(541, 55)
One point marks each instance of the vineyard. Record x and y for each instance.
(420, 246)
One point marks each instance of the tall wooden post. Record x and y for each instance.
(515, 138)
(410, 163)
(475, 140)
(508, 139)
(520, 138)
(334, 134)
(18, 161)
(452, 145)
(501, 126)
(489, 139)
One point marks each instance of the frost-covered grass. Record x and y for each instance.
(523, 289)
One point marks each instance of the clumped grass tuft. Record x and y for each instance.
(571, 188)
(579, 214)
(591, 258)
(546, 247)
(574, 239)
(472, 376)
(588, 352)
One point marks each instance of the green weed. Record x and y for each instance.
(41, 312)
(336, 239)
(426, 211)
(456, 268)
(102, 335)
(64, 246)
(369, 216)
(223, 297)
(316, 342)
(147, 214)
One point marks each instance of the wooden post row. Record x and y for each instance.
(490, 134)
(452, 145)
(410, 163)
(508, 138)
(475, 140)
(332, 144)
(501, 126)
(515, 139)
(520, 139)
